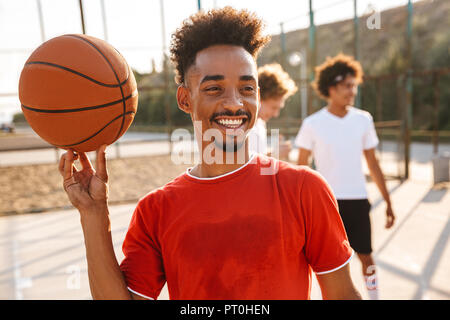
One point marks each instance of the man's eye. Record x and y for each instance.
(249, 88)
(211, 89)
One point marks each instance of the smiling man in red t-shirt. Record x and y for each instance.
(250, 229)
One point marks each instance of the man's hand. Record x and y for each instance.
(378, 177)
(87, 189)
(390, 217)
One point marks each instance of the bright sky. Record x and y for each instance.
(134, 26)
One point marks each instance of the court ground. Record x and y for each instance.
(43, 254)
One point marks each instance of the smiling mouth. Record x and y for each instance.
(231, 122)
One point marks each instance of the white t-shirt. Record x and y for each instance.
(337, 146)
(257, 137)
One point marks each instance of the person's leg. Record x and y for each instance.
(356, 219)
(365, 253)
(370, 275)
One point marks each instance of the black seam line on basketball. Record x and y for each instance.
(84, 140)
(78, 109)
(78, 74)
(115, 74)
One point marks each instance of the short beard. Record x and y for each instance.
(232, 146)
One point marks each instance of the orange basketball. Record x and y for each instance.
(78, 92)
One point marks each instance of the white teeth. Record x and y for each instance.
(230, 122)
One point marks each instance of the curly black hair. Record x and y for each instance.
(333, 71)
(215, 27)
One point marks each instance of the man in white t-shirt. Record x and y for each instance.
(337, 136)
(276, 87)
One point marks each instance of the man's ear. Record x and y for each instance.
(183, 99)
(331, 90)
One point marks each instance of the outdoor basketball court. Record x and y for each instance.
(399, 43)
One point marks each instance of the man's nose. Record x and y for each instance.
(233, 102)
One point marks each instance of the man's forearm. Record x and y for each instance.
(303, 157)
(338, 285)
(351, 294)
(377, 176)
(105, 277)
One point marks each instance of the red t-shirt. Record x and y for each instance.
(243, 235)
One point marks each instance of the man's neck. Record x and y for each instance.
(214, 169)
(339, 110)
(261, 116)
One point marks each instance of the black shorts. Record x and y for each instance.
(356, 219)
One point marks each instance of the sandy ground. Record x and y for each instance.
(26, 186)
(36, 188)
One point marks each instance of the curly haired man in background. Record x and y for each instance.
(337, 136)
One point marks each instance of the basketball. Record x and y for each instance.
(78, 92)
